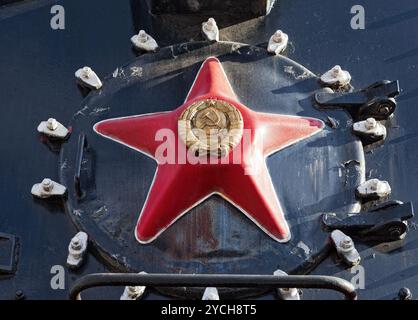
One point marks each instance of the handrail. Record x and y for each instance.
(212, 280)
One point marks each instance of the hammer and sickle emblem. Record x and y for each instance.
(212, 117)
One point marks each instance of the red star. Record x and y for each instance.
(177, 188)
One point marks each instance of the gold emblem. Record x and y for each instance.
(211, 127)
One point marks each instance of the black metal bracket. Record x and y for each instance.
(212, 280)
(8, 246)
(376, 101)
(383, 223)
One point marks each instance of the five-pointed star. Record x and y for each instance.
(177, 187)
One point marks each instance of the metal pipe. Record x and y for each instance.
(217, 280)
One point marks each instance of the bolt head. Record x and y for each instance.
(374, 184)
(87, 72)
(52, 124)
(336, 71)
(212, 296)
(404, 294)
(210, 24)
(384, 109)
(131, 290)
(346, 243)
(75, 243)
(47, 184)
(278, 36)
(371, 123)
(19, 295)
(142, 35)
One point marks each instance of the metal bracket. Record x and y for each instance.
(372, 190)
(77, 250)
(376, 101)
(384, 223)
(48, 189)
(286, 293)
(86, 77)
(345, 248)
(144, 42)
(369, 131)
(53, 129)
(8, 244)
(210, 30)
(278, 42)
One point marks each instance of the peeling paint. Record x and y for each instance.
(119, 72)
(290, 70)
(77, 212)
(136, 71)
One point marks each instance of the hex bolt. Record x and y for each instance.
(369, 130)
(53, 129)
(336, 71)
(370, 123)
(210, 30)
(345, 248)
(405, 294)
(373, 189)
(86, 77)
(52, 124)
(210, 24)
(142, 36)
(144, 42)
(87, 72)
(77, 249)
(48, 188)
(278, 42)
(211, 293)
(336, 77)
(286, 293)
(278, 36)
(47, 184)
(132, 290)
(346, 243)
(19, 295)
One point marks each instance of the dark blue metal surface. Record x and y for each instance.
(37, 66)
